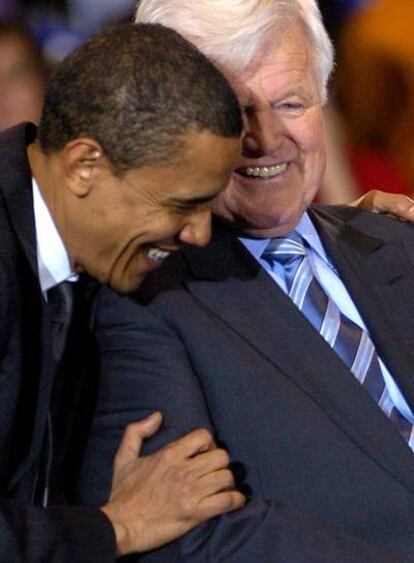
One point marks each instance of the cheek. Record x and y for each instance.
(165, 226)
(313, 149)
(310, 134)
(315, 163)
(222, 202)
(173, 222)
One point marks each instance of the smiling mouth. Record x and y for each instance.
(157, 255)
(263, 171)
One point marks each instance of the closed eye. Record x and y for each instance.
(290, 106)
(190, 204)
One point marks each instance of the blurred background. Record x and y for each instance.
(370, 116)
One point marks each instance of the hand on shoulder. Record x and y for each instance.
(397, 205)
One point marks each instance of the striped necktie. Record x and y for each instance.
(352, 344)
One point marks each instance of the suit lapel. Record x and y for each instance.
(16, 188)
(245, 297)
(379, 276)
(37, 426)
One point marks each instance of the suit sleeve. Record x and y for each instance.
(54, 535)
(146, 367)
(6, 309)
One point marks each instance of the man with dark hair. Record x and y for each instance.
(139, 132)
(290, 335)
(137, 109)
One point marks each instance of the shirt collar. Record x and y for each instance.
(305, 228)
(52, 258)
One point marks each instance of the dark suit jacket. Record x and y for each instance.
(215, 342)
(27, 392)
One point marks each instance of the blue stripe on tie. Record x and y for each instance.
(374, 385)
(347, 342)
(350, 342)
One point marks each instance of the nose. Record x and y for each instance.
(264, 133)
(197, 229)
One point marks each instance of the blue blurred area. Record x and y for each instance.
(61, 25)
(336, 12)
(346, 7)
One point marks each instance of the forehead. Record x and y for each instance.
(201, 169)
(286, 63)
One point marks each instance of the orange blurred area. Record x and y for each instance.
(374, 87)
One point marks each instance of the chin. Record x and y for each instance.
(126, 286)
(277, 223)
(270, 231)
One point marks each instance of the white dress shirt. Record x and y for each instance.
(52, 259)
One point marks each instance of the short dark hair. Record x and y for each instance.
(137, 89)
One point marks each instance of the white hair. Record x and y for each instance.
(233, 32)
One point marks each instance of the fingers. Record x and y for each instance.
(196, 442)
(360, 202)
(218, 481)
(148, 425)
(131, 442)
(400, 206)
(220, 503)
(173, 489)
(208, 462)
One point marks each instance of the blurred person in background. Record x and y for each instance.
(9, 9)
(339, 184)
(22, 76)
(374, 87)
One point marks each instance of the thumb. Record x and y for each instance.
(146, 427)
(131, 442)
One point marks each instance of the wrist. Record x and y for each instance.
(121, 533)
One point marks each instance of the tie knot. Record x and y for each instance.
(285, 249)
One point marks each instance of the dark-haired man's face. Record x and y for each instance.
(129, 225)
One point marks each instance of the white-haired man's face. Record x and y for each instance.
(284, 147)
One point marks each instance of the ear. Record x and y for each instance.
(81, 159)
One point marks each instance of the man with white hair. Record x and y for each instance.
(290, 335)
